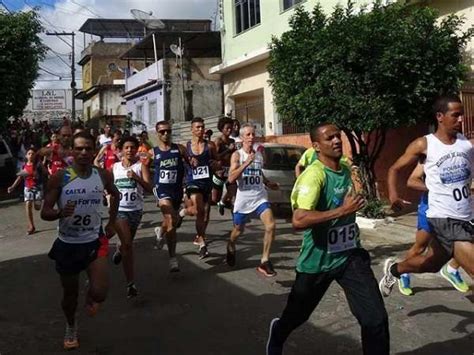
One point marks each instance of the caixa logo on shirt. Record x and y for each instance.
(75, 191)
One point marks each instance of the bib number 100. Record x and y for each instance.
(464, 192)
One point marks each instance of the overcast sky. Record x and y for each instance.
(69, 15)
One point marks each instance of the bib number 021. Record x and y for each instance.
(342, 238)
(200, 172)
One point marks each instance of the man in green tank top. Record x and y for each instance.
(324, 206)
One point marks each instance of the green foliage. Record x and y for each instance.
(366, 72)
(21, 50)
(373, 70)
(374, 208)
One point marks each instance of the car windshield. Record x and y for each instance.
(282, 158)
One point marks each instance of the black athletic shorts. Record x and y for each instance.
(73, 258)
(205, 190)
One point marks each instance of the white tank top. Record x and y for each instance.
(87, 194)
(448, 178)
(251, 191)
(131, 192)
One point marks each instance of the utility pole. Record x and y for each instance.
(73, 70)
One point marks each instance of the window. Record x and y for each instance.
(139, 113)
(247, 14)
(152, 113)
(290, 3)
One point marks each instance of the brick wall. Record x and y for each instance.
(396, 142)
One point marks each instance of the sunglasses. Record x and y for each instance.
(163, 131)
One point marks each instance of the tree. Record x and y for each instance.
(21, 50)
(366, 72)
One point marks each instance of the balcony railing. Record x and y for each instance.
(152, 72)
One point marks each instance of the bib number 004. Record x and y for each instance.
(464, 192)
(342, 238)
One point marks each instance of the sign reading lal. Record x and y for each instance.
(44, 100)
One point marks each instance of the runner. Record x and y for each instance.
(325, 207)
(106, 137)
(423, 237)
(251, 198)
(236, 133)
(32, 173)
(448, 159)
(199, 182)
(225, 146)
(81, 244)
(168, 159)
(131, 177)
(109, 153)
(59, 155)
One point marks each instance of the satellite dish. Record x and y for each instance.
(112, 66)
(147, 19)
(177, 50)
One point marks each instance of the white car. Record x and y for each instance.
(279, 166)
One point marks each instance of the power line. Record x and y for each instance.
(86, 8)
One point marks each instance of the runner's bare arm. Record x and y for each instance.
(413, 153)
(303, 219)
(416, 181)
(184, 154)
(272, 185)
(51, 197)
(143, 180)
(15, 184)
(298, 169)
(109, 185)
(236, 169)
(99, 156)
(214, 161)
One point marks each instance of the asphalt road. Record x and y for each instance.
(209, 308)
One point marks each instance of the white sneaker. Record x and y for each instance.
(174, 266)
(388, 280)
(160, 241)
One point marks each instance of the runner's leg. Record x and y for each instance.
(168, 225)
(70, 284)
(126, 248)
(269, 222)
(366, 304)
(98, 274)
(29, 216)
(464, 255)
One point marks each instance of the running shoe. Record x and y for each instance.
(203, 252)
(454, 278)
(273, 348)
(266, 268)
(388, 280)
(230, 257)
(404, 285)
(160, 241)
(174, 266)
(220, 207)
(132, 290)
(117, 257)
(70, 337)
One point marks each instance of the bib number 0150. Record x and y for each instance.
(342, 238)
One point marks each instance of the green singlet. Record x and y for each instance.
(327, 245)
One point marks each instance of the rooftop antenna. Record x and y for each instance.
(152, 23)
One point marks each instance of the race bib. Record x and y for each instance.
(225, 171)
(342, 238)
(168, 176)
(201, 172)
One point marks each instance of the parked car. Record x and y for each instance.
(279, 166)
(7, 161)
